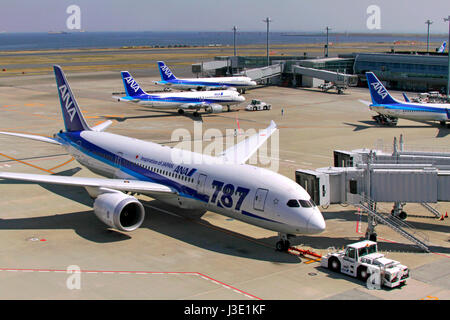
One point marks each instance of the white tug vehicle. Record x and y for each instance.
(362, 260)
(257, 105)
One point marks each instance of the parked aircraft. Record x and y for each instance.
(390, 109)
(170, 80)
(223, 184)
(210, 101)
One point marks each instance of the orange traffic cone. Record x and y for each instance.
(441, 218)
(446, 215)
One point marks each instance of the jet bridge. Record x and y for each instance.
(365, 178)
(338, 80)
(260, 74)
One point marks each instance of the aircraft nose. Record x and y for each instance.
(316, 223)
(241, 98)
(253, 83)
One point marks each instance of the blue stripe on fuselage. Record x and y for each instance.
(129, 167)
(204, 83)
(180, 99)
(402, 106)
(75, 140)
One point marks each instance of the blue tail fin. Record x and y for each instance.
(132, 88)
(442, 47)
(73, 119)
(378, 92)
(166, 73)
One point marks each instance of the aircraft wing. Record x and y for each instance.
(242, 151)
(367, 103)
(102, 126)
(32, 136)
(137, 186)
(126, 99)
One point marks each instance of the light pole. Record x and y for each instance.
(448, 52)
(428, 22)
(326, 53)
(267, 20)
(234, 40)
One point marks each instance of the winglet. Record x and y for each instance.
(73, 118)
(406, 97)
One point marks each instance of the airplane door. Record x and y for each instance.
(118, 163)
(201, 183)
(260, 199)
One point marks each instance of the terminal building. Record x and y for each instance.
(410, 71)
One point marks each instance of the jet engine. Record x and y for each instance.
(119, 211)
(215, 108)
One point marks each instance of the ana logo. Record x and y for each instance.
(378, 87)
(67, 101)
(133, 84)
(167, 71)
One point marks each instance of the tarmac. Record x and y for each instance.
(52, 246)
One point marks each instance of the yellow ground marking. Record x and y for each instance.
(34, 105)
(26, 163)
(62, 164)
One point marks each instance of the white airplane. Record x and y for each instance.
(225, 184)
(390, 109)
(168, 79)
(211, 101)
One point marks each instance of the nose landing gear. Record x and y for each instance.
(283, 243)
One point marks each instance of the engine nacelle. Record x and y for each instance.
(119, 211)
(215, 108)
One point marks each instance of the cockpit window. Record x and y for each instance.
(306, 203)
(293, 203)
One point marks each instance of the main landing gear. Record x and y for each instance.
(283, 243)
(385, 120)
(444, 124)
(397, 211)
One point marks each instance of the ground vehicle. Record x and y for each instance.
(330, 85)
(258, 105)
(362, 260)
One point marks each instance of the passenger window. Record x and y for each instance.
(293, 203)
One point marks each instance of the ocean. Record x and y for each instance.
(85, 40)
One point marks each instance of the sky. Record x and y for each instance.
(402, 16)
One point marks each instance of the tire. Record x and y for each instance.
(283, 246)
(255, 108)
(265, 108)
(403, 215)
(373, 237)
(334, 265)
(362, 273)
(280, 246)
